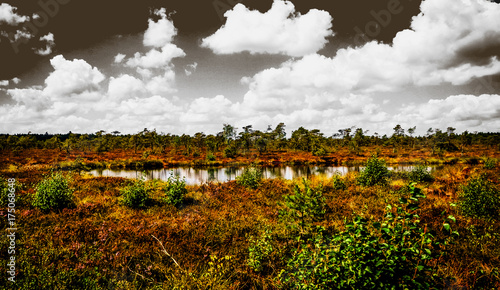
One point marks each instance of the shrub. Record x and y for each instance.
(375, 172)
(490, 163)
(53, 193)
(303, 208)
(339, 183)
(480, 198)
(251, 177)
(396, 253)
(420, 174)
(175, 190)
(135, 195)
(259, 250)
(210, 157)
(230, 151)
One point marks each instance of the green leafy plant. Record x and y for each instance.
(304, 207)
(259, 250)
(210, 157)
(480, 198)
(135, 195)
(53, 192)
(420, 174)
(338, 183)
(395, 253)
(175, 190)
(490, 163)
(251, 177)
(375, 172)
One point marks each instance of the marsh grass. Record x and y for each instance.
(100, 244)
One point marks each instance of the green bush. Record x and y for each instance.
(259, 250)
(480, 198)
(420, 174)
(230, 151)
(175, 190)
(490, 163)
(251, 177)
(304, 207)
(53, 193)
(375, 172)
(338, 183)
(395, 253)
(135, 195)
(210, 157)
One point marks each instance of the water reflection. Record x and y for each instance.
(195, 176)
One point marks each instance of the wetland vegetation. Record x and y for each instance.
(372, 229)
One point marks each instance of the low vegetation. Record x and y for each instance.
(374, 229)
(53, 192)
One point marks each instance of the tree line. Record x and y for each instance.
(232, 143)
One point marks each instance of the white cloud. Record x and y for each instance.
(156, 58)
(119, 58)
(49, 39)
(191, 68)
(278, 31)
(464, 112)
(71, 77)
(16, 80)
(433, 52)
(161, 32)
(4, 83)
(8, 15)
(125, 87)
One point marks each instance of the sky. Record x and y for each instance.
(191, 66)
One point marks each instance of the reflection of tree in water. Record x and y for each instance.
(198, 176)
(212, 174)
(273, 172)
(231, 173)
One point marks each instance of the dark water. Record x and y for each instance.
(195, 176)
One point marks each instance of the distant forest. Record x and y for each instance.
(232, 143)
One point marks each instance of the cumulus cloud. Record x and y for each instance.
(4, 83)
(49, 45)
(430, 53)
(161, 32)
(156, 58)
(71, 77)
(465, 112)
(191, 68)
(119, 58)
(279, 31)
(8, 15)
(77, 96)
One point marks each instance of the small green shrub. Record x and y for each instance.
(480, 198)
(175, 190)
(53, 193)
(259, 250)
(251, 177)
(375, 172)
(395, 253)
(135, 195)
(210, 157)
(338, 183)
(303, 208)
(230, 151)
(420, 174)
(490, 163)
(321, 151)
